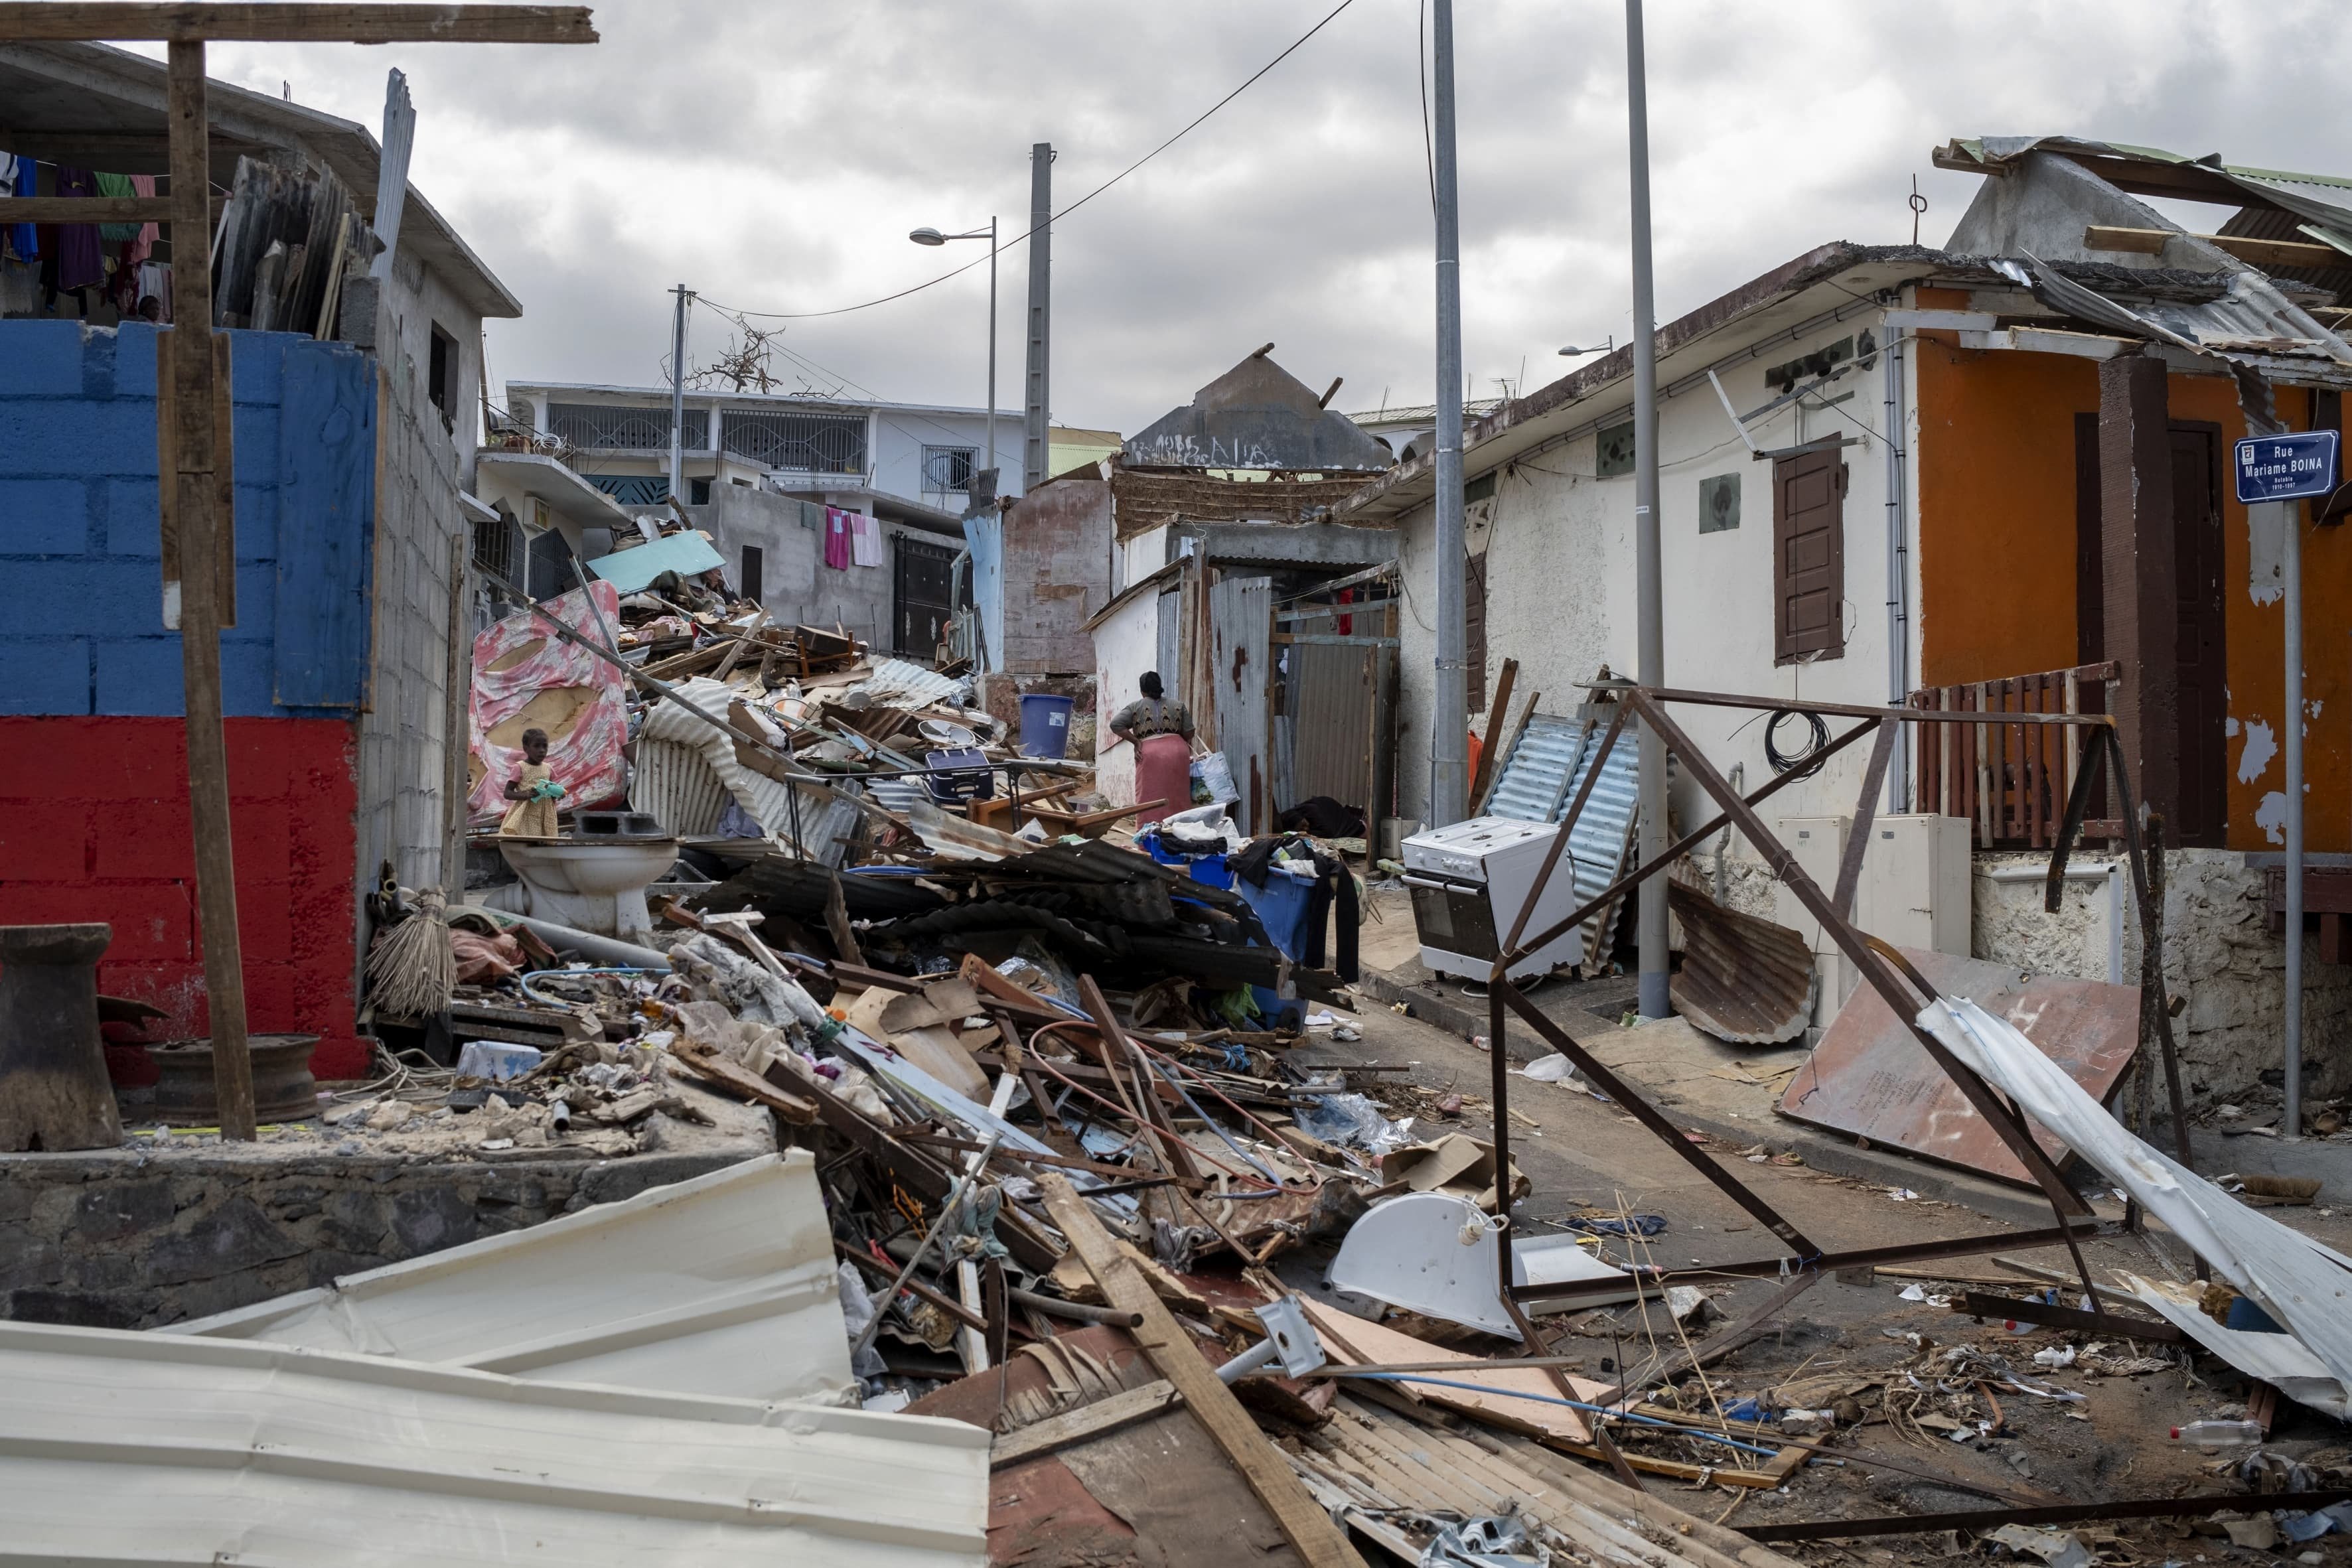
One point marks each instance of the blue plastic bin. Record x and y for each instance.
(1209, 870)
(1281, 906)
(1044, 725)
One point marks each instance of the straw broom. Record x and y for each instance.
(412, 970)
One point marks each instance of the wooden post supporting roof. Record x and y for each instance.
(193, 394)
(2138, 551)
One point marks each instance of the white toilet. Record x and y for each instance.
(596, 885)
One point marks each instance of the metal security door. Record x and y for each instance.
(922, 596)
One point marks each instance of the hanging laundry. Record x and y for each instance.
(142, 245)
(80, 260)
(116, 187)
(866, 539)
(20, 177)
(836, 538)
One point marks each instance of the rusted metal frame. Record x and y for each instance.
(1675, 850)
(1872, 1257)
(2070, 826)
(1657, 694)
(2057, 1513)
(2010, 1129)
(2146, 890)
(1534, 1345)
(1983, 1304)
(1630, 1101)
(1865, 812)
(1559, 842)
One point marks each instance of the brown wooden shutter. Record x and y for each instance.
(1473, 630)
(1809, 555)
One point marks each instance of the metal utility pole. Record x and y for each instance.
(677, 399)
(1041, 307)
(992, 346)
(1450, 711)
(1649, 573)
(2291, 580)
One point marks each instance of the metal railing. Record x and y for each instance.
(2010, 779)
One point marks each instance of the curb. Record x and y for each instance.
(1824, 1152)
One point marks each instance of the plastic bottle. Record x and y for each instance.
(2219, 1432)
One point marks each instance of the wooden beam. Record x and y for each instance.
(2138, 242)
(2254, 252)
(87, 210)
(1319, 1541)
(94, 20)
(1123, 1408)
(201, 463)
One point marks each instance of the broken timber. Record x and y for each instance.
(1311, 1532)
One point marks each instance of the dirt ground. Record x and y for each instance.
(1889, 1353)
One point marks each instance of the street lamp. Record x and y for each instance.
(1606, 346)
(933, 236)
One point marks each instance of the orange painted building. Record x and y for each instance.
(1998, 497)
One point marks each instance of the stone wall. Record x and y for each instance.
(117, 1240)
(2219, 951)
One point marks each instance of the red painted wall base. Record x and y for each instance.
(94, 825)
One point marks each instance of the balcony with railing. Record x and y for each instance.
(2010, 779)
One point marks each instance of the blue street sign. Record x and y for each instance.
(2286, 467)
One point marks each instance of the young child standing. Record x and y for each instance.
(534, 792)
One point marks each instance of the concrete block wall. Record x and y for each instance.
(94, 816)
(1056, 573)
(405, 728)
(94, 825)
(796, 586)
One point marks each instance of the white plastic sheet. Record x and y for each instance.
(2304, 1285)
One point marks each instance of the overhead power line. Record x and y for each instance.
(1065, 211)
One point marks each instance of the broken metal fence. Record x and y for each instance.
(2010, 779)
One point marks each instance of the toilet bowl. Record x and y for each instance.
(596, 886)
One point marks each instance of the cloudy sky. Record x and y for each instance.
(772, 156)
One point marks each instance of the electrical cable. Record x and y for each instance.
(1074, 206)
(1804, 764)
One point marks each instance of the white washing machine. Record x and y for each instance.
(1468, 882)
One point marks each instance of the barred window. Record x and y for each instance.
(949, 467)
(819, 442)
(624, 428)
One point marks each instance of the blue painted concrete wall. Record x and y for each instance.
(81, 626)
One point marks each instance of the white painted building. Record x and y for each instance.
(833, 451)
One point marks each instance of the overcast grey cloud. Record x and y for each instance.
(773, 156)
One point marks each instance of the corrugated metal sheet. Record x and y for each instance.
(673, 783)
(1743, 979)
(1537, 784)
(895, 683)
(721, 1285)
(687, 772)
(167, 1449)
(1240, 666)
(1334, 691)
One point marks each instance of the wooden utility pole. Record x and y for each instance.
(193, 485)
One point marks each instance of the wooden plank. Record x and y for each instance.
(98, 20)
(85, 209)
(2287, 253)
(725, 1073)
(1121, 1409)
(1318, 1540)
(1489, 760)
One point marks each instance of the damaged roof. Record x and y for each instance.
(1256, 415)
(101, 107)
